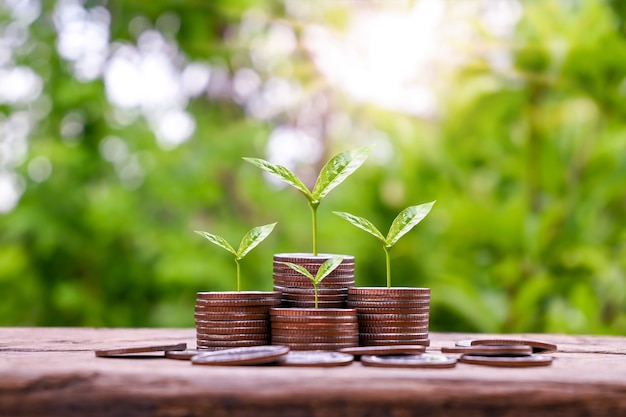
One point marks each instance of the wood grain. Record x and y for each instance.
(54, 372)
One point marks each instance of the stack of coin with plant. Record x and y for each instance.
(233, 319)
(391, 316)
(314, 329)
(296, 287)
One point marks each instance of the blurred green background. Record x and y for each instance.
(123, 125)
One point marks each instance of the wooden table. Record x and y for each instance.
(54, 372)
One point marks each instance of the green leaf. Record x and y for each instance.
(301, 270)
(327, 267)
(283, 173)
(362, 224)
(217, 240)
(253, 238)
(406, 220)
(338, 169)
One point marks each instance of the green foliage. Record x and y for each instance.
(401, 225)
(526, 154)
(336, 170)
(325, 269)
(251, 239)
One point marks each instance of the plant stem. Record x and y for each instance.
(314, 223)
(315, 292)
(388, 261)
(238, 275)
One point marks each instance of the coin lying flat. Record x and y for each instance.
(491, 350)
(537, 346)
(256, 355)
(134, 350)
(183, 355)
(316, 358)
(385, 350)
(399, 292)
(424, 360)
(507, 361)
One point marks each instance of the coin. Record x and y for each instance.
(396, 329)
(204, 316)
(232, 295)
(244, 304)
(392, 336)
(390, 342)
(230, 343)
(390, 303)
(392, 310)
(309, 290)
(278, 332)
(507, 361)
(424, 360)
(317, 346)
(388, 317)
(313, 312)
(232, 337)
(183, 355)
(389, 292)
(316, 358)
(242, 356)
(254, 324)
(311, 304)
(311, 320)
(538, 346)
(491, 350)
(133, 350)
(231, 330)
(320, 257)
(220, 309)
(385, 350)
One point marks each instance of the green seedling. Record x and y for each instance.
(402, 224)
(249, 242)
(336, 170)
(326, 268)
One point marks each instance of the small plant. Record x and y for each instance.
(325, 269)
(401, 225)
(249, 242)
(336, 170)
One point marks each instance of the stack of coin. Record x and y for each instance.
(233, 319)
(314, 329)
(297, 289)
(391, 316)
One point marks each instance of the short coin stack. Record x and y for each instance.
(233, 319)
(297, 289)
(314, 329)
(391, 316)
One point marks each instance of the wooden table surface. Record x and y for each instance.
(54, 372)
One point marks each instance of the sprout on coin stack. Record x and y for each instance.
(235, 319)
(391, 316)
(315, 328)
(295, 291)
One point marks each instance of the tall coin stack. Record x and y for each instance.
(391, 316)
(233, 319)
(314, 329)
(298, 290)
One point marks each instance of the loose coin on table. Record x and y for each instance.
(537, 346)
(491, 350)
(385, 350)
(183, 355)
(425, 360)
(316, 358)
(254, 355)
(138, 350)
(507, 361)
